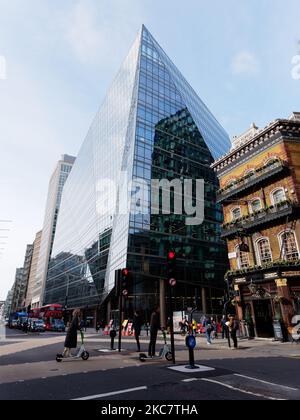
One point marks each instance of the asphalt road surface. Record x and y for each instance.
(243, 375)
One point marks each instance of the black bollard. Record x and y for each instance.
(113, 335)
(191, 344)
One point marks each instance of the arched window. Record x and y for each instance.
(236, 213)
(289, 246)
(272, 159)
(242, 258)
(264, 251)
(277, 196)
(249, 172)
(255, 205)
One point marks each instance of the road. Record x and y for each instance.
(257, 371)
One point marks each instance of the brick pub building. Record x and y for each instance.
(260, 194)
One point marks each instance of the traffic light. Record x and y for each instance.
(171, 268)
(124, 281)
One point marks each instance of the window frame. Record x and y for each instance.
(233, 219)
(252, 201)
(280, 240)
(272, 195)
(257, 250)
(238, 258)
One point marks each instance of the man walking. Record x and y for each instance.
(224, 327)
(208, 329)
(137, 326)
(154, 327)
(233, 327)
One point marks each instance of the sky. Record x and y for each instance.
(58, 59)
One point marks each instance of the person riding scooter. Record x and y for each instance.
(71, 338)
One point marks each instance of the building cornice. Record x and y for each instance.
(276, 130)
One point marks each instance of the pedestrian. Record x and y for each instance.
(168, 325)
(154, 327)
(214, 325)
(71, 338)
(194, 326)
(83, 325)
(224, 327)
(208, 329)
(147, 328)
(233, 328)
(137, 327)
(25, 326)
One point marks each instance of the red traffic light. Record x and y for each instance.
(171, 255)
(125, 272)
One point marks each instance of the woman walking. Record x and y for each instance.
(71, 338)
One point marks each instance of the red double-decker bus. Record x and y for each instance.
(52, 316)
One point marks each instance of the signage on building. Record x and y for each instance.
(281, 282)
(291, 273)
(270, 275)
(232, 255)
(278, 334)
(241, 280)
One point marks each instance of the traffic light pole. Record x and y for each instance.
(172, 324)
(120, 321)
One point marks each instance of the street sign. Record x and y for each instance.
(191, 342)
(172, 282)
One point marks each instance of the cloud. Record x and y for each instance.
(82, 33)
(93, 30)
(245, 63)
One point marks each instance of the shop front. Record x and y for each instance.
(267, 308)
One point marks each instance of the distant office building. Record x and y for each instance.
(260, 193)
(2, 304)
(56, 185)
(7, 304)
(21, 282)
(151, 125)
(33, 268)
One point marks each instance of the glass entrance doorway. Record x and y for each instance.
(263, 318)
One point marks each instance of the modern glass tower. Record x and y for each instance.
(151, 124)
(55, 189)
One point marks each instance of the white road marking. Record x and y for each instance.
(241, 390)
(267, 383)
(190, 380)
(110, 394)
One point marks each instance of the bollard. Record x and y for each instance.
(190, 342)
(113, 334)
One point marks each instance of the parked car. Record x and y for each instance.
(58, 325)
(36, 325)
(13, 323)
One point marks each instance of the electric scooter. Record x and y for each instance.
(165, 352)
(82, 353)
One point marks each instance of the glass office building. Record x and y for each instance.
(151, 125)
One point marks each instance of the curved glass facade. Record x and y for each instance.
(152, 125)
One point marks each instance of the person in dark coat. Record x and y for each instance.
(71, 338)
(137, 326)
(154, 327)
(233, 327)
